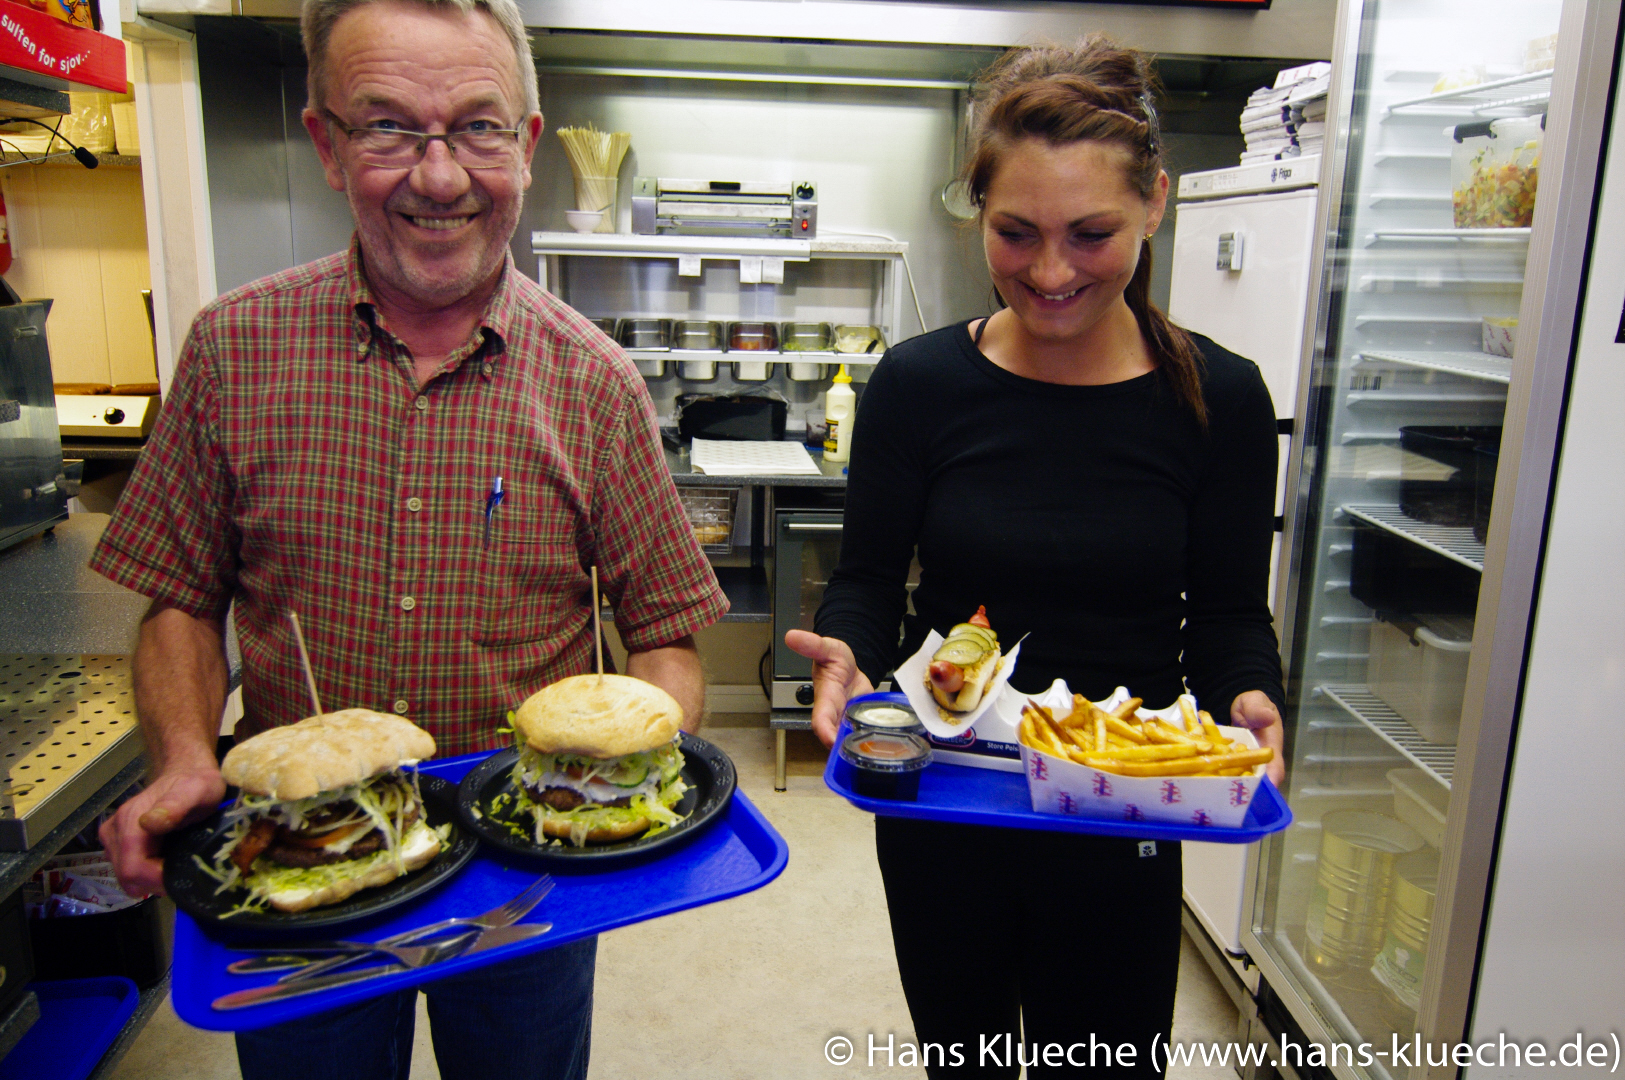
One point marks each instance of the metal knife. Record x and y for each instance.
(490, 939)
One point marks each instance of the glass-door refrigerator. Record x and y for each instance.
(1457, 190)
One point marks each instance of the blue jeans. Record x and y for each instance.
(527, 1019)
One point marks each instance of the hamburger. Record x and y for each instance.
(598, 759)
(326, 809)
(963, 666)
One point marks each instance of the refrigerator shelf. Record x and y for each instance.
(1477, 365)
(1516, 93)
(1452, 236)
(1453, 542)
(1431, 282)
(1435, 759)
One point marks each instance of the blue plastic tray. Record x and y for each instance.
(737, 853)
(79, 1019)
(969, 796)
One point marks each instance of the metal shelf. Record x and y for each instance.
(1520, 94)
(1435, 759)
(1433, 283)
(745, 356)
(17, 1020)
(1453, 542)
(665, 246)
(1453, 236)
(17, 867)
(1476, 365)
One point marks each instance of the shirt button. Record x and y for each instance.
(422, 404)
(408, 603)
(399, 706)
(486, 369)
(414, 504)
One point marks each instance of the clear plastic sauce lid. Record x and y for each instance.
(884, 751)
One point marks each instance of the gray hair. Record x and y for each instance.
(318, 18)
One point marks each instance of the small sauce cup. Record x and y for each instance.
(886, 764)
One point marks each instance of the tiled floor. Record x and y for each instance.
(754, 986)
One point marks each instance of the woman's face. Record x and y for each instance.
(1062, 229)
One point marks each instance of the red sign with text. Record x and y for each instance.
(36, 42)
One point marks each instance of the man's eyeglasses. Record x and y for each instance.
(392, 148)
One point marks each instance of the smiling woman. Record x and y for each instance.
(1103, 483)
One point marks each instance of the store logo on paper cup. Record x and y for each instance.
(1040, 767)
(1170, 793)
(1201, 818)
(1101, 786)
(1239, 795)
(963, 740)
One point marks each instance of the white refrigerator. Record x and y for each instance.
(1243, 243)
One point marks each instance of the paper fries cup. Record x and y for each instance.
(1061, 786)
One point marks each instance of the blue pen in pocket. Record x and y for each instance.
(492, 501)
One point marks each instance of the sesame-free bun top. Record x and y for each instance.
(599, 717)
(322, 753)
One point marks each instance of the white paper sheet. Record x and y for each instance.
(719, 457)
(911, 678)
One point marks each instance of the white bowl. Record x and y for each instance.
(583, 220)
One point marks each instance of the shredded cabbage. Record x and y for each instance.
(656, 809)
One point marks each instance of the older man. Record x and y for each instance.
(330, 446)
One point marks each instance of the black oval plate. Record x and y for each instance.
(194, 891)
(711, 781)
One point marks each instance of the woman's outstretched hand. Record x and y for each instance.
(836, 679)
(1256, 712)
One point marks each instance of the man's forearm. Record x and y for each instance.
(675, 668)
(180, 687)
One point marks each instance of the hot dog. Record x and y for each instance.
(964, 665)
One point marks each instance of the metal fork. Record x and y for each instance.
(413, 956)
(501, 915)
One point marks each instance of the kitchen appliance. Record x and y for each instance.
(32, 484)
(787, 208)
(1393, 340)
(806, 545)
(1243, 243)
(107, 416)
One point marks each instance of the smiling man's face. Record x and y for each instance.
(434, 234)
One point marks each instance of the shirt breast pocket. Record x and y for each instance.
(532, 588)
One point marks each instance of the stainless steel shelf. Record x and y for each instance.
(1453, 542)
(1435, 759)
(1476, 365)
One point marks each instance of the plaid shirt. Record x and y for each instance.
(296, 466)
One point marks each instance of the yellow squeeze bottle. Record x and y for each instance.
(840, 402)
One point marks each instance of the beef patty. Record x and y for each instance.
(562, 798)
(286, 854)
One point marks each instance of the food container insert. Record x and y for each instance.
(753, 337)
(883, 712)
(696, 335)
(645, 334)
(886, 765)
(805, 337)
(860, 339)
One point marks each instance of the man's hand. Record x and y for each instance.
(134, 835)
(836, 679)
(1256, 712)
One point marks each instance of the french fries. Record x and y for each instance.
(1123, 742)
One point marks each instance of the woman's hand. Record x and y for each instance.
(1256, 712)
(836, 679)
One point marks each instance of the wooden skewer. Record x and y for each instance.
(304, 659)
(597, 628)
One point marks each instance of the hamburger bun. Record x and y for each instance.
(602, 834)
(601, 717)
(324, 753)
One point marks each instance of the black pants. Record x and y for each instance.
(1028, 940)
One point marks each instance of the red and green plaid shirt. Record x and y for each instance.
(296, 466)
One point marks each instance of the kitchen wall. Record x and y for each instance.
(79, 237)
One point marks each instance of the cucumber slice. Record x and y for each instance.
(638, 773)
(962, 651)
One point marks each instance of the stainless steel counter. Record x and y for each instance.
(683, 474)
(52, 602)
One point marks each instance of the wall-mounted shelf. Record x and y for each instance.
(1455, 543)
(1476, 365)
(631, 245)
(65, 159)
(754, 356)
(1435, 759)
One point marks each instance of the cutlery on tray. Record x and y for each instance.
(465, 945)
(291, 956)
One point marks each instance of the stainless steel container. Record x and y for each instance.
(804, 372)
(853, 339)
(646, 335)
(807, 337)
(1348, 906)
(753, 337)
(606, 325)
(696, 335)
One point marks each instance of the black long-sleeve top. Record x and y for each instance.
(1130, 546)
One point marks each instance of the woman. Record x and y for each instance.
(1104, 483)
